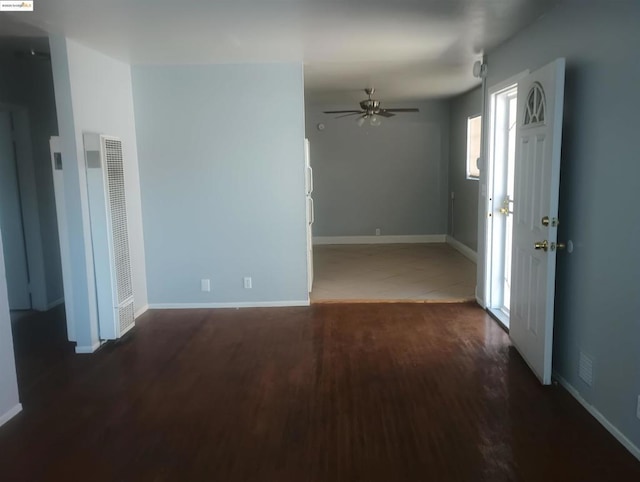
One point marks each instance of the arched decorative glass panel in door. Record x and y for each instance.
(535, 106)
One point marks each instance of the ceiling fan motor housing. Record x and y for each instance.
(370, 105)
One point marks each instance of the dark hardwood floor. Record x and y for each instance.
(346, 392)
(40, 345)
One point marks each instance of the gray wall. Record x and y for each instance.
(463, 209)
(222, 171)
(597, 291)
(392, 177)
(29, 83)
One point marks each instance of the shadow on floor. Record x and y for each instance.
(40, 345)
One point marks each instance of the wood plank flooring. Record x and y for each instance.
(349, 392)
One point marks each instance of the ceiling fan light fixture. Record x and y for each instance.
(370, 109)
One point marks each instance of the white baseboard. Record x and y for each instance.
(55, 303)
(237, 304)
(465, 250)
(9, 414)
(479, 299)
(88, 349)
(410, 238)
(612, 429)
(141, 311)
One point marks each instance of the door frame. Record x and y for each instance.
(486, 214)
(29, 202)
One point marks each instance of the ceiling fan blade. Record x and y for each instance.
(353, 113)
(384, 113)
(341, 111)
(402, 110)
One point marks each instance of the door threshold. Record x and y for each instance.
(500, 317)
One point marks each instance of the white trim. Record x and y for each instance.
(500, 316)
(9, 414)
(141, 311)
(479, 300)
(55, 146)
(462, 248)
(232, 304)
(485, 222)
(505, 84)
(55, 303)
(411, 238)
(88, 349)
(612, 429)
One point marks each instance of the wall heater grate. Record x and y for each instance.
(106, 192)
(126, 316)
(116, 189)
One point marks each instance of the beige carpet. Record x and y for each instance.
(418, 272)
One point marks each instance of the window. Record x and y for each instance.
(535, 106)
(474, 133)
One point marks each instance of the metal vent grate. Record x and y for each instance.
(127, 317)
(116, 194)
(585, 369)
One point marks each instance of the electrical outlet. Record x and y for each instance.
(377, 231)
(638, 408)
(205, 285)
(247, 283)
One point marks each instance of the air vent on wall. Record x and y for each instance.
(585, 369)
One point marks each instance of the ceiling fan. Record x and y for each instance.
(371, 110)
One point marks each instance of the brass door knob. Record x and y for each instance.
(506, 207)
(553, 221)
(544, 245)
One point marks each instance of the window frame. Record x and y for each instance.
(469, 172)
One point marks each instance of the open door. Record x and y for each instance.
(11, 220)
(535, 209)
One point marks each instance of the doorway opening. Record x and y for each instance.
(11, 213)
(28, 218)
(369, 180)
(503, 103)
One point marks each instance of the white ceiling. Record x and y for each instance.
(407, 49)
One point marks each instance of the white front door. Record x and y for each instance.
(537, 180)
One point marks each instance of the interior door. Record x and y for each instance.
(537, 180)
(15, 255)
